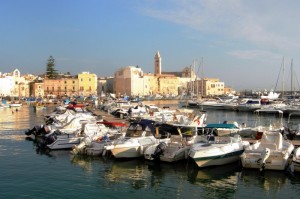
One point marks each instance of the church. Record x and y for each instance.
(131, 80)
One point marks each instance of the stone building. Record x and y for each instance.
(87, 84)
(83, 84)
(14, 85)
(131, 80)
(208, 87)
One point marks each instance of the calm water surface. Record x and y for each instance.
(27, 172)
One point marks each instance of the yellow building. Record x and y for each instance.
(209, 87)
(87, 84)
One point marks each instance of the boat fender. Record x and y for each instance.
(141, 150)
(264, 156)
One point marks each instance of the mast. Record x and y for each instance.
(282, 79)
(202, 76)
(292, 78)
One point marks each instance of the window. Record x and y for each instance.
(65, 88)
(65, 82)
(90, 79)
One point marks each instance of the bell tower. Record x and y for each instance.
(157, 64)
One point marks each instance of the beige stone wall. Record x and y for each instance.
(61, 87)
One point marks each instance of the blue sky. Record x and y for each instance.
(241, 42)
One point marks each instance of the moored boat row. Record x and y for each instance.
(169, 141)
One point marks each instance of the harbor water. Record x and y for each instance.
(27, 172)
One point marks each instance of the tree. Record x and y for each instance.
(51, 73)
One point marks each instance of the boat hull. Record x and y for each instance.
(218, 159)
(223, 151)
(64, 143)
(274, 162)
(127, 152)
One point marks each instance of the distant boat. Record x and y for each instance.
(39, 107)
(271, 96)
(15, 105)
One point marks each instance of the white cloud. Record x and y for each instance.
(268, 25)
(254, 54)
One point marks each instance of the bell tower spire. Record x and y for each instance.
(157, 64)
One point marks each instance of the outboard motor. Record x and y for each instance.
(36, 130)
(50, 138)
(159, 150)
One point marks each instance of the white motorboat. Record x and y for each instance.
(295, 165)
(273, 123)
(249, 105)
(177, 147)
(138, 137)
(221, 129)
(271, 152)
(217, 151)
(94, 146)
(15, 105)
(293, 126)
(62, 140)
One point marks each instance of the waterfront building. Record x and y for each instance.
(63, 85)
(208, 87)
(37, 88)
(83, 84)
(87, 84)
(105, 85)
(13, 84)
(129, 81)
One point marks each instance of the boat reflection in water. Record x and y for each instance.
(215, 181)
(131, 173)
(270, 184)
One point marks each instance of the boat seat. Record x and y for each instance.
(272, 138)
(270, 146)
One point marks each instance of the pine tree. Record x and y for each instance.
(51, 73)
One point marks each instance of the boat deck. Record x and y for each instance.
(296, 143)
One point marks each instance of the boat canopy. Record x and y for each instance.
(225, 126)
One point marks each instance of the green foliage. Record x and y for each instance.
(51, 72)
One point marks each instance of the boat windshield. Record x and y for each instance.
(188, 131)
(137, 131)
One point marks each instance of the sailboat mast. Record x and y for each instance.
(292, 78)
(283, 79)
(202, 76)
